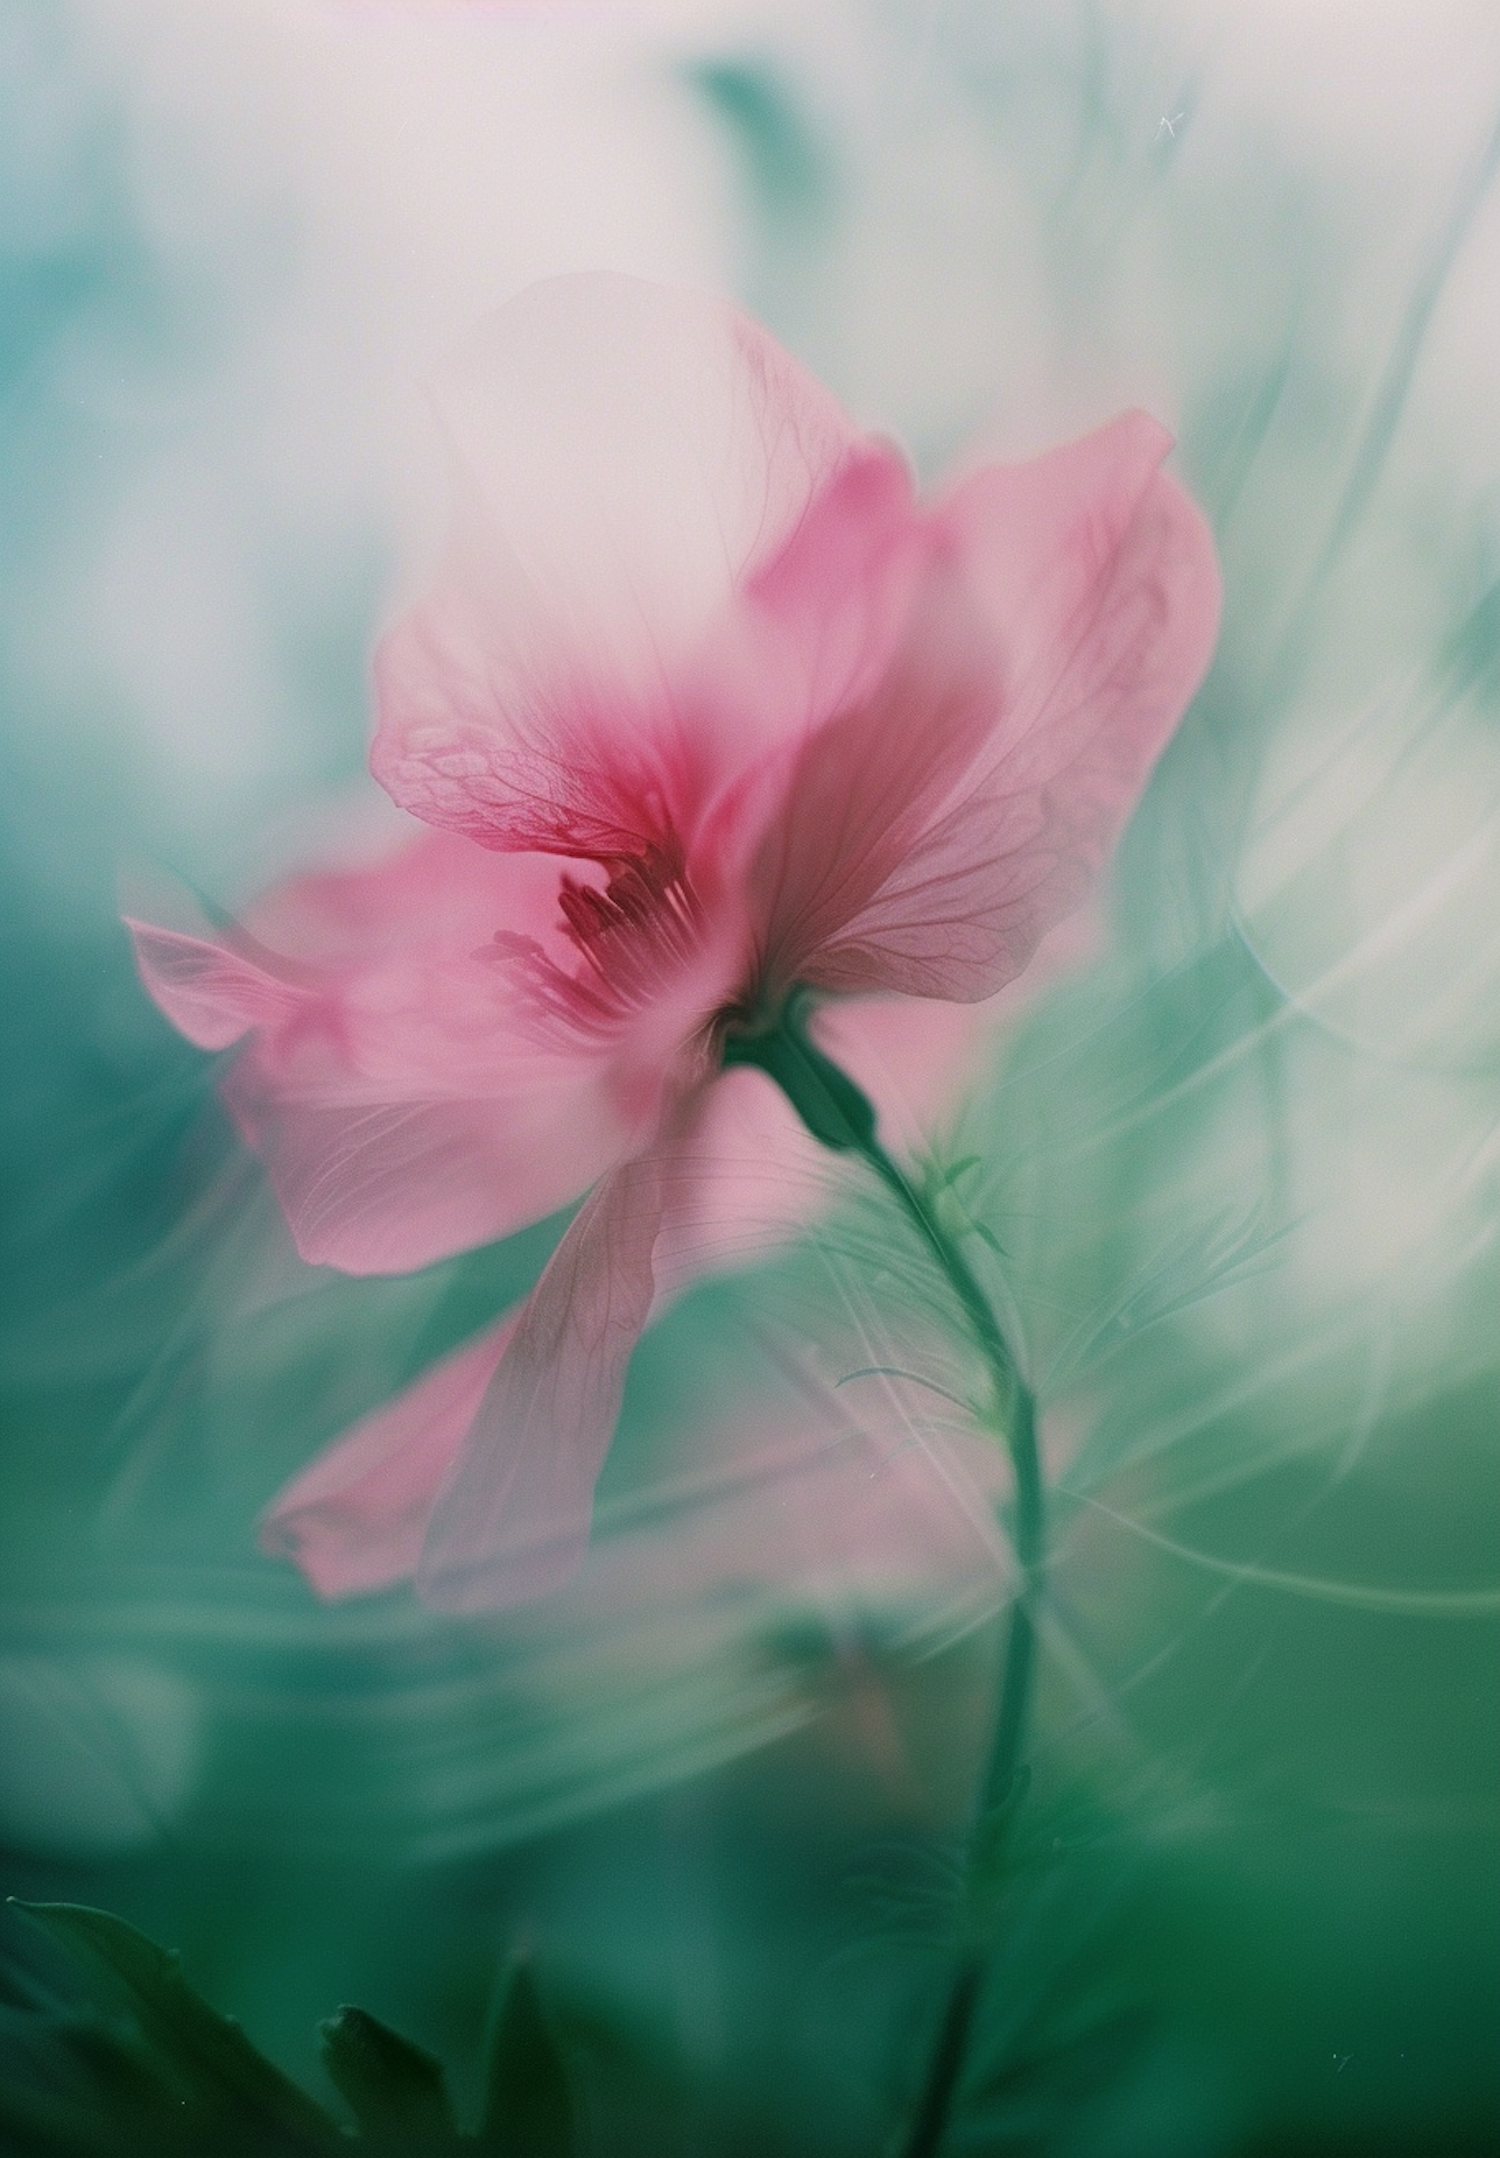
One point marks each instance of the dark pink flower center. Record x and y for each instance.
(634, 937)
(646, 902)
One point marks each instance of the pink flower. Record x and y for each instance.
(702, 710)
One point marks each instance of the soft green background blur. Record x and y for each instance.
(1244, 1172)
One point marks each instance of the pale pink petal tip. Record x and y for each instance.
(354, 1520)
(211, 995)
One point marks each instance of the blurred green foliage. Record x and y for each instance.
(148, 2066)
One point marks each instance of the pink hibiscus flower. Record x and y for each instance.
(707, 717)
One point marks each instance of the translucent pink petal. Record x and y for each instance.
(816, 629)
(211, 995)
(848, 1492)
(513, 1521)
(415, 888)
(860, 792)
(878, 1515)
(384, 1187)
(962, 912)
(395, 1085)
(413, 995)
(1041, 542)
(1098, 586)
(789, 1495)
(627, 458)
(740, 1176)
(354, 1520)
(842, 1495)
(839, 586)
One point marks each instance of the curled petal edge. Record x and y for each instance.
(354, 1520)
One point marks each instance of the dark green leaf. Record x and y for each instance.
(206, 2057)
(395, 2090)
(75, 2086)
(42, 2123)
(111, 2061)
(528, 2110)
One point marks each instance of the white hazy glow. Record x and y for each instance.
(327, 196)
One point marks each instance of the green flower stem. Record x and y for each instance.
(1000, 1785)
(836, 1111)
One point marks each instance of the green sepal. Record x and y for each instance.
(203, 2058)
(528, 2111)
(836, 1111)
(394, 2089)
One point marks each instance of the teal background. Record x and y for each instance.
(1241, 1170)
